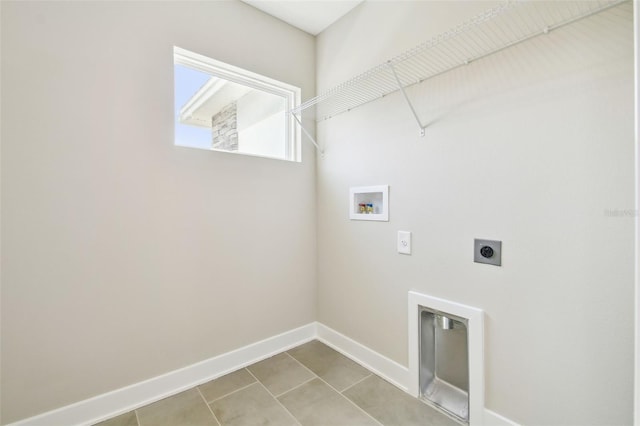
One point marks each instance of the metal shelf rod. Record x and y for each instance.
(311, 138)
(401, 87)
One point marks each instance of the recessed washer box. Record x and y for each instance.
(369, 203)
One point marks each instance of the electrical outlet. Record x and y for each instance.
(487, 251)
(404, 242)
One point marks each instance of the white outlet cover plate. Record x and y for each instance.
(404, 242)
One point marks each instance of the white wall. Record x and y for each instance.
(123, 256)
(531, 146)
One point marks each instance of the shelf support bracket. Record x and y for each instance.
(311, 138)
(401, 87)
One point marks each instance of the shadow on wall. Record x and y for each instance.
(586, 44)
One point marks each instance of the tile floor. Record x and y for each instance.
(308, 385)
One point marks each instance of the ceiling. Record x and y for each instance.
(312, 16)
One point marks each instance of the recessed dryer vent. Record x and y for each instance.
(446, 361)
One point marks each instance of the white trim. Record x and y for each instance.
(122, 400)
(388, 369)
(231, 72)
(368, 358)
(290, 93)
(475, 330)
(494, 419)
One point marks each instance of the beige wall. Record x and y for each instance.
(531, 147)
(124, 257)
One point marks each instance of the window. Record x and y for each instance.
(225, 108)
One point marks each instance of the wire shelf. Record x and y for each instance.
(494, 30)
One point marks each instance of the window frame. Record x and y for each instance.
(290, 93)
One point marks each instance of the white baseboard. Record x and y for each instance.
(386, 368)
(129, 398)
(494, 419)
(122, 400)
(368, 358)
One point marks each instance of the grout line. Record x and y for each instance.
(276, 399)
(232, 392)
(353, 384)
(137, 418)
(296, 387)
(208, 406)
(351, 402)
(340, 393)
(304, 366)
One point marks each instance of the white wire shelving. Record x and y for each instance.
(492, 31)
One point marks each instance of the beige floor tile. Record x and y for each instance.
(126, 419)
(315, 403)
(226, 384)
(238, 399)
(251, 406)
(333, 367)
(391, 406)
(280, 373)
(184, 409)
